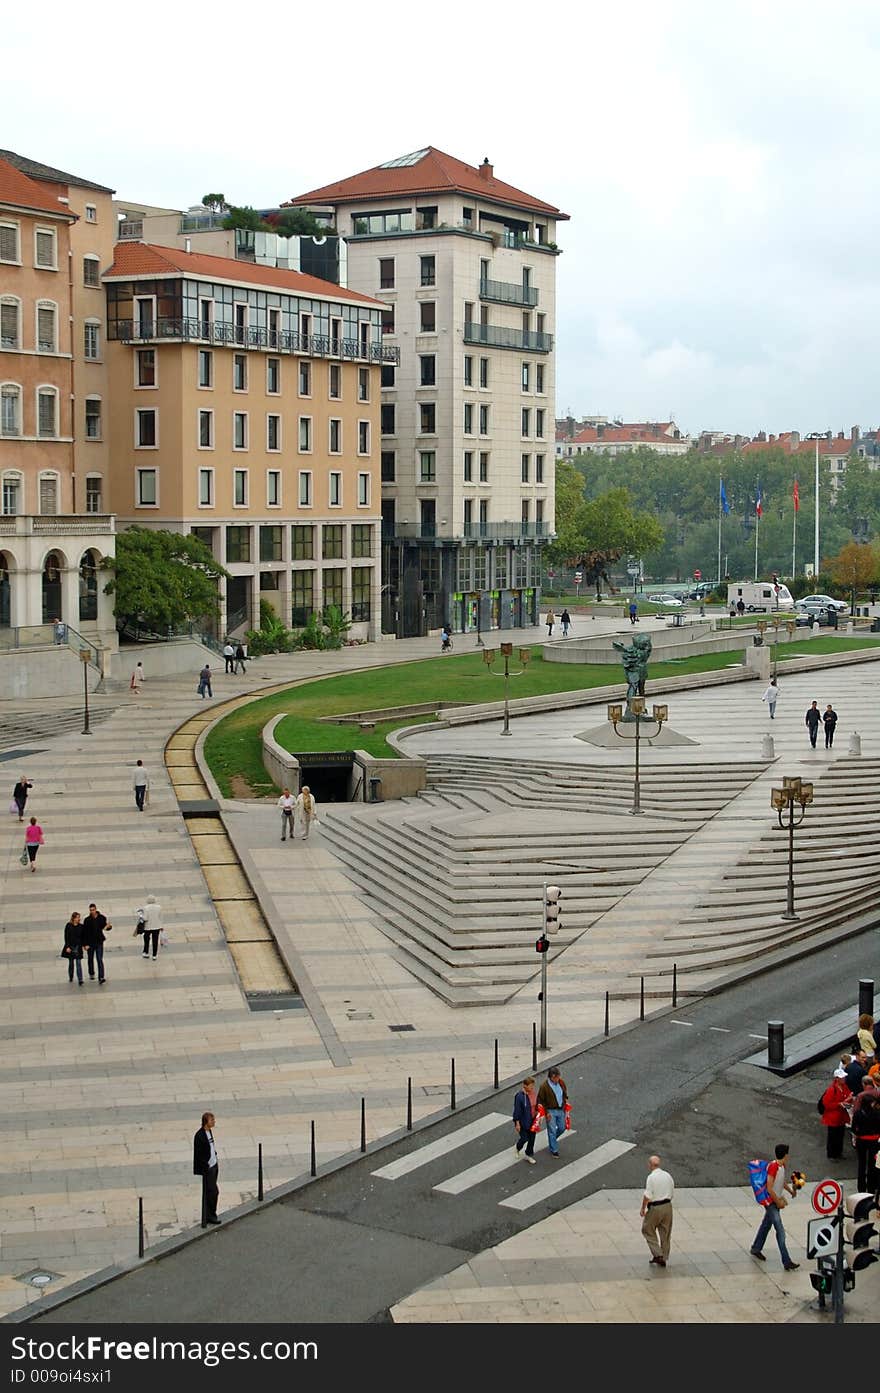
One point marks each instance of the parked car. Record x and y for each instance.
(666, 600)
(823, 602)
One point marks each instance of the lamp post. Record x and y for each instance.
(793, 791)
(489, 656)
(84, 656)
(636, 706)
(816, 435)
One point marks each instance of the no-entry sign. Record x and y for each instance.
(827, 1195)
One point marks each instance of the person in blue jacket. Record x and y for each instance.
(524, 1105)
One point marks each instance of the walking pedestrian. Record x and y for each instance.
(287, 804)
(240, 656)
(94, 930)
(811, 721)
(73, 947)
(60, 631)
(140, 782)
(206, 1165)
(835, 1115)
(565, 619)
(137, 679)
(732, 611)
(306, 811)
(829, 720)
(33, 840)
(656, 1211)
(151, 913)
(771, 696)
(777, 1186)
(740, 606)
(866, 1036)
(204, 687)
(552, 1097)
(866, 1130)
(550, 621)
(20, 795)
(229, 656)
(633, 612)
(524, 1105)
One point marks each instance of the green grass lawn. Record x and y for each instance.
(233, 746)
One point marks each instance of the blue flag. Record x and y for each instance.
(725, 506)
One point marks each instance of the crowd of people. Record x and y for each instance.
(851, 1103)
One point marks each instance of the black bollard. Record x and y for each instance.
(775, 1044)
(534, 1045)
(314, 1165)
(259, 1170)
(140, 1226)
(363, 1124)
(607, 998)
(495, 1078)
(452, 1087)
(409, 1104)
(204, 1201)
(866, 996)
(675, 984)
(642, 1000)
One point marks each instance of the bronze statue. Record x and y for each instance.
(634, 657)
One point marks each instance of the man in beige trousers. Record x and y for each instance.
(656, 1211)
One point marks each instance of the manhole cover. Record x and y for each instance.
(39, 1277)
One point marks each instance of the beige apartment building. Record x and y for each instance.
(466, 265)
(56, 236)
(246, 411)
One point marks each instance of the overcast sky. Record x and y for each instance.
(719, 163)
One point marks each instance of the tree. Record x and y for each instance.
(245, 217)
(215, 201)
(594, 535)
(296, 222)
(162, 579)
(855, 566)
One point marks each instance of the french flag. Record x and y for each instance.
(759, 511)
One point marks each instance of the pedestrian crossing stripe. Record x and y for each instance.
(493, 1165)
(424, 1155)
(569, 1174)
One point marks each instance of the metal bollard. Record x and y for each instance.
(607, 997)
(259, 1170)
(642, 1000)
(775, 1044)
(363, 1124)
(855, 743)
(313, 1168)
(675, 984)
(452, 1087)
(141, 1226)
(409, 1104)
(534, 1046)
(866, 996)
(495, 1077)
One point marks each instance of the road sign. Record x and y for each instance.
(698, 575)
(632, 569)
(551, 574)
(578, 577)
(827, 1195)
(822, 1236)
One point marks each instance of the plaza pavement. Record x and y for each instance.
(102, 1089)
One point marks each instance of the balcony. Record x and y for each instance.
(499, 533)
(230, 335)
(508, 293)
(130, 230)
(494, 336)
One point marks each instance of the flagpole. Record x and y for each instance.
(757, 525)
(816, 537)
(720, 487)
(794, 532)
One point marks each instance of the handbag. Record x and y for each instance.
(163, 938)
(23, 858)
(13, 806)
(139, 927)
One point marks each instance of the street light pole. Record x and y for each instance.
(636, 706)
(793, 791)
(489, 655)
(84, 655)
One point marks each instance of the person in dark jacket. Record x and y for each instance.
(855, 1071)
(206, 1165)
(829, 721)
(239, 658)
(73, 947)
(20, 794)
(835, 1115)
(866, 1130)
(565, 620)
(524, 1105)
(811, 721)
(94, 929)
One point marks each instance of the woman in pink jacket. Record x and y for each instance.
(33, 840)
(835, 1115)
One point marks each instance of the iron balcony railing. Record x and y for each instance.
(497, 532)
(494, 336)
(508, 293)
(186, 330)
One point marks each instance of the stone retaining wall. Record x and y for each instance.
(396, 778)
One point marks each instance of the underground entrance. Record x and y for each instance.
(332, 776)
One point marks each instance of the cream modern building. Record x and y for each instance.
(466, 265)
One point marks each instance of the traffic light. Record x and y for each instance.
(860, 1229)
(542, 944)
(822, 1282)
(552, 909)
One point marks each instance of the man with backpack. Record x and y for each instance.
(772, 1196)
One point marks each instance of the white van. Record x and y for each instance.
(760, 596)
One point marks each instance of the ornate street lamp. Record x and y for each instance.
(489, 656)
(793, 791)
(636, 706)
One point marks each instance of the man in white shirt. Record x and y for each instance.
(140, 782)
(656, 1211)
(287, 804)
(229, 656)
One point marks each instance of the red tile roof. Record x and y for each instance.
(142, 259)
(835, 446)
(435, 172)
(638, 433)
(18, 191)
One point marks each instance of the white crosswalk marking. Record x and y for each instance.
(492, 1166)
(568, 1174)
(452, 1142)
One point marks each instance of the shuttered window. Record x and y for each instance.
(91, 270)
(48, 494)
(9, 324)
(46, 413)
(46, 330)
(9, 241)
(45, 250)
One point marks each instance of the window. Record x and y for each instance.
(47, 412)
(361, 539)
(146, 429)
(206, 430)
(484, 466)
(364, 224)
(92, 340)
(388, 321)
(539, 423)
(273, 432)
(524, 512)
(305, 379)
(94, 493)
(240, 488)
(387, 375)
(239, 430)
(9, 242)
(273, 495)
(484, 511)
(526, 376)
(539, 513)
(145, 316)
(335, 382)
(240, 320)
(427, 418)
(427, 467)
(206, 488)
(524, 469)
(331, 582)
(273, 376)
(305, 434)
(206, 318)
(331, 542)
(93, 418)
(539, 377)
(302, 542)
(386, 272)
(427, 270)
(363, 437)
(46, 318)
(427, 316)
(301, 598)
(10, 409)
(469, 466)
(389, 466)
(206, 368)
(539, 469)
(467, 217)
(361, 582)
(146, 485)
(145, 367)
(539, 323)
(305, 326)
(468, 312)
(335, 436)
(363, 384)
(484, 372)
(484, 420)
(10, 322)
(468, 371)
(426, 218)
(526, 422)
(91, 213)
(274, 327)
(363, 490)
(468, 418)
(91, 271)
(239, 372)
(271, 542)
(387, 416)
(12, 494)
(335, 494)
(468, 517)
(305, 488)
(48, 494)
(45, 249)
(238, 544)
